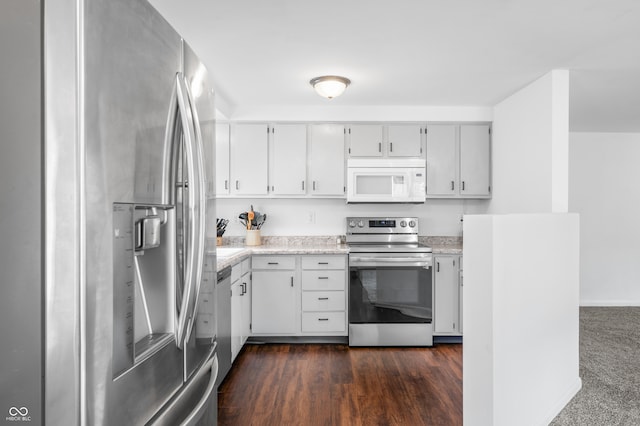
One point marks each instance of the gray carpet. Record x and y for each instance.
(609, 368)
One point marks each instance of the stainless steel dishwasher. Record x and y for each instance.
(223, 301)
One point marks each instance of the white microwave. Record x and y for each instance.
(386, 180)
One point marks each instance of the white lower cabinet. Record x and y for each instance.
(447, 313)
(236, 319)
(245, 304)
(299, 295)
(324, 301)
(240, 306)
(274, 300)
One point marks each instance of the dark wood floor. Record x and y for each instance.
(328, 384)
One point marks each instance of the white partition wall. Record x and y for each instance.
(530, 148)
(520, 357)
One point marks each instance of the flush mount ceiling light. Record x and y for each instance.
(330, 86)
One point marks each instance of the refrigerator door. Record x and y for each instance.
(21, 207)
(130, 59)
(201, 99)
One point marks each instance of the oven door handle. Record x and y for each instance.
(390, 261)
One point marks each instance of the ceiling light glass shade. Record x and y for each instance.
(330, 86)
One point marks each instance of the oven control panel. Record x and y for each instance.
(382, 225)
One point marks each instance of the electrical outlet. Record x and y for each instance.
(311, 217)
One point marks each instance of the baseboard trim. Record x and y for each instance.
(563, 401)
(605, 303)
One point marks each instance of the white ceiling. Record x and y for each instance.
(419, 52)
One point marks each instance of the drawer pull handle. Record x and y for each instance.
(323, 319)
(272, 263)
(323, 278)
(323, 298)
(323, 263)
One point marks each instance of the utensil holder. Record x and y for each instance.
(253, 238)
(218, 241)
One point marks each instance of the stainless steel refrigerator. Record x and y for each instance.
(107, 218)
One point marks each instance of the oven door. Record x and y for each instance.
(390, 288)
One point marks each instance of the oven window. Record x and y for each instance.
(390, 295)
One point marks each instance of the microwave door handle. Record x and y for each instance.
(185, 315)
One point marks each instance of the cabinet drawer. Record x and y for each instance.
(323, 301)
(323, 280)
(324, 262)
(246, 265)
(274, 262)
(314, 322)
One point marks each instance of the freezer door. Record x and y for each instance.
(130, 59)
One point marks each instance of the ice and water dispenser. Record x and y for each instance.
(144, 290)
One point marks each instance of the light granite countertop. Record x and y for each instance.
(233, 251)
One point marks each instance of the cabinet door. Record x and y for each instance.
(274, 302)
(441, 160)
(326, 159)
(461, 297)
(289, 159)
(475, 164)
(404, 140)
(246, 307)
(222, 159)
(249, 159)
(236, 319)
(446, 309)
(365, 140)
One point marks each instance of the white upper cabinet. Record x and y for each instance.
(458, 161)
(442, 159)
(249, 151)
(326, 160)
(288, 159)
(475, 160)
(365, 140)
(222, 159)
(404, 140)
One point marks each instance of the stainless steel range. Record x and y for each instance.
(390, 283)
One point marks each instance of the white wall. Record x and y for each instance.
(292, 216)
(521, 284)
(605, 190)
(530, 144)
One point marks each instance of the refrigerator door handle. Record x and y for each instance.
(174, 412)
(187, 306)
(200, 210)
(201, 407)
